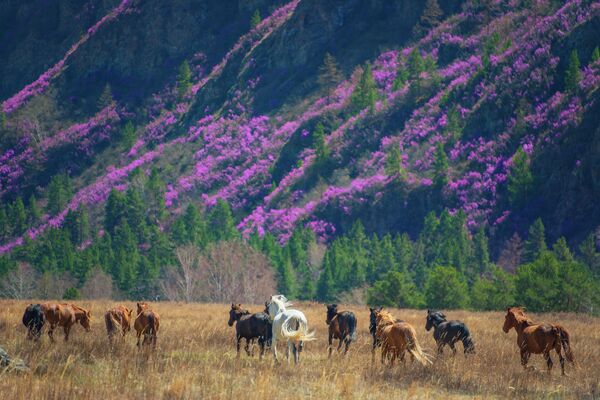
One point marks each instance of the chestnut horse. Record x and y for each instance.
(65, 315)
(535, 338)
(397, 338)
(342, 326)
(116, 318)
(147, 323)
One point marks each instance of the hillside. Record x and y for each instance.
(317, 115)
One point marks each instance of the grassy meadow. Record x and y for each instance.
(196, 358)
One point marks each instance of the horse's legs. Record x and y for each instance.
(51, 332)
(66, 329)
(247, 347)
(330, 348)
(383, 353)
(261, 344)
(139, 336)
(440, 347)
(560, 357)
(287, 351)
(154, 340)
(548, 361)
(347, 341)
(274, 348)
(451, 344)
(296, 351)
(340, 345)
(373, 350)
(524, 358)
(239, 338)
(394, 355)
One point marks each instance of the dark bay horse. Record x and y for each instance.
(535, 338)
(448, 332)
(342, 326)
(250, 326)
(146, 323)
(117, 318)
(34, 320)
(65, 315)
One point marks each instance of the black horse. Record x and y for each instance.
(34, 320)
(373, 330)
(250, 327)
(342, 326)
(448, 332)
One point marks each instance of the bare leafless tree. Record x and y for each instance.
(99, 285)
(19, 283)
(52, 286)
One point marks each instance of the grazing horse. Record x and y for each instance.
(342, 326)
(147, 323)
(289, 325)
(116, 318)
(448, 332)
(34, 320)
(535, 338)
(250, 327)
(65, 315)
(396, 338)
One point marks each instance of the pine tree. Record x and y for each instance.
(440, 167)
(482, 251)
(561, 251)
(393, 163)
(595, 55)
(195, 226)
(255, 19)
(5, 227)
(325, 284)
(106, 98)
(184, 79)
(493, 293)
(573, 72)
(114, 210)
(287, 279)
(416, 64)
(155, 197)
(432, 14)
(536, 241)
(127, 257)
(221, 223)
(2, 120)
(129, 136)
(179, 233)
(453, 128)
(520, 179)
(365, 92)
(590, 255)
(58, 194)
(329, 73)
(321, 150)
(34, 211)
(135, 212)
(18, 216)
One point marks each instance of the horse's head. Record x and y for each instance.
(510, 320)
(331, 312)
(85, 319)
(277, 304)
(433, 319)
(141, 307)
(235, 313)
(373, 319)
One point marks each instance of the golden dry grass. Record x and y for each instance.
(196, 359)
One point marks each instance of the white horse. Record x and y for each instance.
(288, 325)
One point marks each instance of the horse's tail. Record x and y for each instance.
(111, 323)
(352, 326)
(414, 348)
(299, 334)
(152, 329)
(565, 340)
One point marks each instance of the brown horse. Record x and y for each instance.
(396, 338)
(65, 315)
(342, 326)
(147, 323)
(116, 318)
(535, 338)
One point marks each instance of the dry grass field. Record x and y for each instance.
(196, 358)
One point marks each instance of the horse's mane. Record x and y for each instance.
(386, 318)
(519, 314)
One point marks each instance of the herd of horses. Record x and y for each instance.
(279, 322)
(116, 319)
